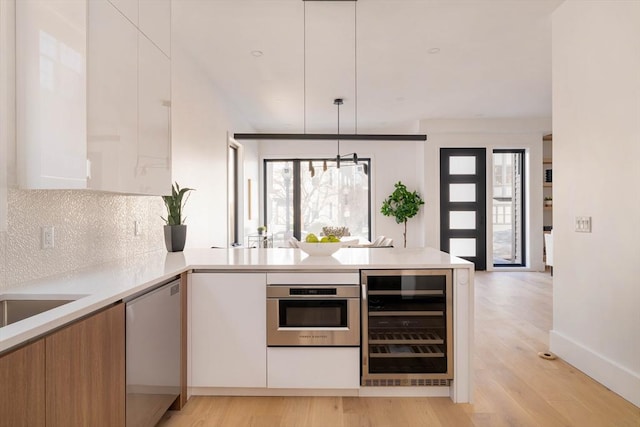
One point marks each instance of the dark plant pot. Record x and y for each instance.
(175, 237)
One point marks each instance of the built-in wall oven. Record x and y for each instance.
(313, 315)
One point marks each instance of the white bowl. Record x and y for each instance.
(320, 249)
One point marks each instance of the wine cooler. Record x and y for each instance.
(406, 327)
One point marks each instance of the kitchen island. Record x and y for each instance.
(95, 288)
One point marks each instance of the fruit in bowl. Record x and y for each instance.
(326, 246)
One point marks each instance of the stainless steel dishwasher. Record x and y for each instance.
(153, 354)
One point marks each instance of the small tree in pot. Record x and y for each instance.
(402, 205)
(175, 232)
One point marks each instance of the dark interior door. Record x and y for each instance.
(463, 204)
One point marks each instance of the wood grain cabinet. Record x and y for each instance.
(74, 377)
(22, 387)
(85, 372)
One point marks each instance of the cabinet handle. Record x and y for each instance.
(364, 292)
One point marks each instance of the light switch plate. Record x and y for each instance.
(583, 224)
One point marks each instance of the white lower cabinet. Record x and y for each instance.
(313, 368)
(228, 342)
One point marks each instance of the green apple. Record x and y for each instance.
(311, 238)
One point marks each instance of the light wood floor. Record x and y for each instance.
(513, 386)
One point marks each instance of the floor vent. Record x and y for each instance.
(407, 383)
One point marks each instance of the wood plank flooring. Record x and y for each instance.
(514, 387)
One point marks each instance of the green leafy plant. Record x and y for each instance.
(402, 204)
(175, 203)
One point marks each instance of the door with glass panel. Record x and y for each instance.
(508, 208)
(463, 204)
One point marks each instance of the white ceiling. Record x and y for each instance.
(494, 60)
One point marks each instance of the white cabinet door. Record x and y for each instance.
(320, 367)
(155, 22)
(112, 99)
(128, 8)
(228, 342)
(51, 93)
(153, 168)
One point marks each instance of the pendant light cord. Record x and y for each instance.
(304, 66)
(355, 60)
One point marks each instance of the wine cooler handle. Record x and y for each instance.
(364, 292)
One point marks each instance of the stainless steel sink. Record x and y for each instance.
(16, 308)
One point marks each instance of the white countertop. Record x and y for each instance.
(107, 283)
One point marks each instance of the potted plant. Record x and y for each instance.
(261, 230)
(175, 231)
(402, 205)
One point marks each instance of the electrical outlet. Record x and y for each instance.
(583, 224)
(47, 237)
(137, 228)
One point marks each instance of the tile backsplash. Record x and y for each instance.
(90, 228)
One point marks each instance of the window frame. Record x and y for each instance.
(523, 226)
(297, 194)
(233, 191)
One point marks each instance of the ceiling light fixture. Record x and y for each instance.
(352, 157)
(434, 50)
(256, 53)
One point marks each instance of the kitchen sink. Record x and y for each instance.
(14, 308)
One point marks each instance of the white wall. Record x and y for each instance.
(596, 152)
(490, 134)
(391, 161)
(200, 123)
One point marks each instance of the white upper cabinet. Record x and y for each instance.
(51, 94)
(155, 22)
(93, 95)
(153, 168)
(152, 17)
(129, 8)
(113, 99)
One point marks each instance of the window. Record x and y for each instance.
(233, 179)
(303, 195)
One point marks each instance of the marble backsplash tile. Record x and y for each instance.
(90, 228)
(3, 258)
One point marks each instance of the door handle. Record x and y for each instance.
(364, 292)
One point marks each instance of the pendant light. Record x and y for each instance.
(352, 157)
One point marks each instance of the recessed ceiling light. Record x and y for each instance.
(256, 53)
(434, 50)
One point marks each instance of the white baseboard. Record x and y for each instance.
(617, 378)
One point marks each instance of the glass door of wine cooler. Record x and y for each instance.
(407, 317)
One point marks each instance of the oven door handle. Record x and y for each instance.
(364, 292)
